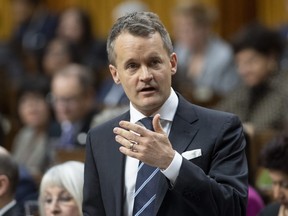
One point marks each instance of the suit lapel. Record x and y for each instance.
(118, 170)
(182, 132)
(181, 135)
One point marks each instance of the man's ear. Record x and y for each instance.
(114, 73)
(4, 184)
(173, 63)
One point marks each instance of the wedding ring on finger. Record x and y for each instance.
(131, 147)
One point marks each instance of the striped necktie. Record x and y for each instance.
(146, 183)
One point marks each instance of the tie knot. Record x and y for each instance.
(147, 122)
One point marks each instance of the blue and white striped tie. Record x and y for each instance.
(146, 184)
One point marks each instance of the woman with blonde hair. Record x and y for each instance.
(61, 190)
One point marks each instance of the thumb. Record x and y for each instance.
(157, 124)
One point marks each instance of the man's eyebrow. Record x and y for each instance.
(129, 61)
(156, 56)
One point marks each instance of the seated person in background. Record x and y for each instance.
(274, 157)
(206, 64)
(260, 100)
(72, 96)
(11, 70)
(8, 183)
(34, 26)
(75, 26)
(58, 54)
(61, 190)
(30, 146)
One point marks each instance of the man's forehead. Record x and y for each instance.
(128, 40)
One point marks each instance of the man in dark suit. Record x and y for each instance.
(191, 160)
(8, 184)
(72, 98)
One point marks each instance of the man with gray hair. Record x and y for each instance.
(165, 156)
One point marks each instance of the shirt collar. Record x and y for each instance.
(167, 111)
(7, 207)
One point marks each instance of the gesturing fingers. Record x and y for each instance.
(147, 146)
(135, 128)
(157, 124)
(126, 134)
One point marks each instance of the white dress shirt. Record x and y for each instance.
(167, 112)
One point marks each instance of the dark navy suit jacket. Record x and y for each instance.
(15, 210)
(212, 184)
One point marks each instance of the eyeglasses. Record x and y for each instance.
(71, 100)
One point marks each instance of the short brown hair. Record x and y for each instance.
(140, 24)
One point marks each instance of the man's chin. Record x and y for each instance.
(149, 101)
(151, 106)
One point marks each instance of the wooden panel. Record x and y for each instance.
(97, 10)
(271, 12)
(233, 14)
(101, 11)
(67, 155)
(5, 19)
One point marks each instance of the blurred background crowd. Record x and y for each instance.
(55, 83)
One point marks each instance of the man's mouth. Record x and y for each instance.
(147, 89)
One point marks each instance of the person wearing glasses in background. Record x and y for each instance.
(72, 98)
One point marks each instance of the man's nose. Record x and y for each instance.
(146, 75)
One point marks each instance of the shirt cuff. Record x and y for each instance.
(173, 169)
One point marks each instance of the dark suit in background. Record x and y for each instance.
(9, 178)
(14, 211)
(271, 210)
